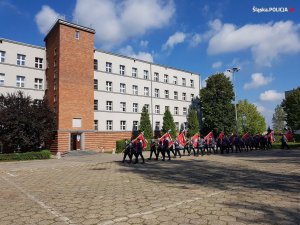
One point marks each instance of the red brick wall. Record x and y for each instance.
(61, 142)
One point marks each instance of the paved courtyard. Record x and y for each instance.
(260, 187)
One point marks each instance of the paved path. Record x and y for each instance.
(260, 187)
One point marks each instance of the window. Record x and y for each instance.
(177, 125)
(95, 84)
(146, 107)
(176, 111)
(192, 96)
(146, 74)
(156, 77)
(55, 98)
(55, 51)
(192, 83)
(122, 69)
(134, 72)
(21, 60)
(95, 104)
(176, 95)
(174, 80)
(109, 124)
(38, 63)
(166, 94)
(123, 106)
(166, 78)
(157, 125)
(95, 64)
(2, 56)
(146, 91)
(183, 82)
(183, 96)
(76, 122)
(54, 64)
(2, 76)
(20, 81)
(77, 34)
(95, 124)
(167, 108)
(135, 107)
(156, 93)
(54, 85)
(184, 111)
(135, 125)
(134, 89)
(157, 110)
(122, 88)
(109, 106)
(108, 86)
(38, 83)
(108, 67)
(122, 125)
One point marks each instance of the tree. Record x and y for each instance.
(216, 104)
(25, 124)
(145, 124)
(291, 106)
(193, 123)
(168, 123)
(278, 119)
(249, 119)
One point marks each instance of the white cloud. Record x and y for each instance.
(195, 40)
(271, 95)
(144, 44)
(128, 51)
(266, 41)
(45, 18)
(117, 21)
(217, 65)
(257, 80)
(173, 40)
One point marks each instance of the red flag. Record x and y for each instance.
(289, 135)
(181, 139)
(271, 137)
(208, 137)
(221, 135)
(195, 140)
(245, 136)
(165, 136)
(142, 138)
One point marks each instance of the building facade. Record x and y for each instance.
(98, 96)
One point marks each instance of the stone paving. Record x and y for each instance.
(260, 187)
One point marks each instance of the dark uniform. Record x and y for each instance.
(139, 151)
(166, 149)
(152, 150)
(159, 150)
(284, 142)
(177, 149)
(127, 151)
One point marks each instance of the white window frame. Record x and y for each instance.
(2, 56)
(21, 59)
(192, 83)
(147, 107)
(156, 76)
(135, 90)
(176, 95)
(109, 125)
(192, 96)
(108, 67)
(184, 111)
(122, 69)
(157, 125)
(183, 96)
(123, 125)
(175, 80)
(146, 74)
(146, 91)
(109, 86)
(95, 104)
(2, 79)
(38, 63)
(156, 93)
(183, 82)
(167, 94)
(167, 108)
(95, 64)
(77, 34)
(166, 78)
(38, 83)
(134, 72)
(176, 111)
(135, 125)
(96, 125)
(157, 109)
(123, 106)
(95, 84)
(109, 106)
(135, 107)
(20, 81)
(122, 88)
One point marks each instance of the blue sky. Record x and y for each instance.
(202, 36)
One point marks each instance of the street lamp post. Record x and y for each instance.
(234, 70)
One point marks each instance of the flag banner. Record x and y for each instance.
(165, 136)
(271, 137)
(142, 138)
(221, 135)
(208, 137)
(289, 136)
(181, 139)
(195, 140)
(245, 136)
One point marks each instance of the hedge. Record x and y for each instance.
(120, 145)
(44, 154)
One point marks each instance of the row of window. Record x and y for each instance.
(20, 81)
(134, 73)
(21, 60)
(146, 90)
(123, 125)
(135, 107)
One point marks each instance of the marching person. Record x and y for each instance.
(284, 142)
(159, 149)
(177, 149)
(127, 151)
(139, 151)
(166, 149)
(152, 150)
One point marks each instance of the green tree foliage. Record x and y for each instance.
(291, 106)
(25, 124)
(145, 124)
(278, 119)
(193, 123)
(169, 124)
(249, 119)
(216, 104)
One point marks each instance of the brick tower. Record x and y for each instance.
(70, 77)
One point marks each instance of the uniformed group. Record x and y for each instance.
(198, 145)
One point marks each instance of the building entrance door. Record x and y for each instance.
(75, 141)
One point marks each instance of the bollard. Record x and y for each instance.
(114, 151)
(58, 155)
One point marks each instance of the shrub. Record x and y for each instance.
(120, 146)
(45, 154)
